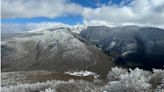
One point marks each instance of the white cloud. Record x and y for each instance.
(38, 8)
(140, 12)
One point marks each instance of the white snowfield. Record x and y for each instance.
(83, 73)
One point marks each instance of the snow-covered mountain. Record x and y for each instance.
(130, 45)
(57, 49)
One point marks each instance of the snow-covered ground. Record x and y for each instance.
(83, 73)
(13, 78)
(119, 80)
(21, 77)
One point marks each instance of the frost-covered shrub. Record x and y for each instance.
(157, 80)
(160, 88)
(115, 73)
(157, 77)
(78, 86)
(49, 90)
(136, 80)
(36, 87)
(53, 86)
(114, 86)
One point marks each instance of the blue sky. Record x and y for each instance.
(92, 3)
(106, 12)
(72, 20)
(69, 19)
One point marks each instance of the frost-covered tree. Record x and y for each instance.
(136, 80)
(115, 73)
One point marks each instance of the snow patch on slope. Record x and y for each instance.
(83, 73)
(112, 44)
(78, 28)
